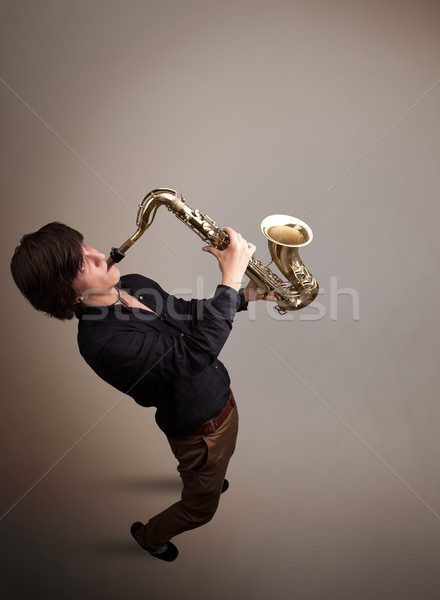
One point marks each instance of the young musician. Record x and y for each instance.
(160, 350)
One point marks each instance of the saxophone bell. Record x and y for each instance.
(285, 235)
(286, 230)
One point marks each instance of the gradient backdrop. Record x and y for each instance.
(327, 110)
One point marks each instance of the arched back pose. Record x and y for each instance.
(159, 349)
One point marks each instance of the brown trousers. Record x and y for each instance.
(203, 461)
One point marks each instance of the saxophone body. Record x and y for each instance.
(284, 240)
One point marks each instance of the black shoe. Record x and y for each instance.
(168, 551)
(225, 486)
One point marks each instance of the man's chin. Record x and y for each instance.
(114, 269)
(114, 274)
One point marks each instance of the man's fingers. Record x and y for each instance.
(232, 234)
(211, 250)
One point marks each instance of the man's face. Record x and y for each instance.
(93, 276)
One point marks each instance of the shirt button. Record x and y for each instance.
(141, 297)
(182, 334)
(216, 367)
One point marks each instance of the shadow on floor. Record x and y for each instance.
(117, 547)
(148, 484)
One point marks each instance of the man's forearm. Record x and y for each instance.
(236, 285)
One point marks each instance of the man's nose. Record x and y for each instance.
(96, 254)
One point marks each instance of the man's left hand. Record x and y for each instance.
(251, 293)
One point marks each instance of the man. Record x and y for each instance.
(159, 349)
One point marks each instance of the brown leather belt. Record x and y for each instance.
(213, 424)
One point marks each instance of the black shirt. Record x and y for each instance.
(168, 359)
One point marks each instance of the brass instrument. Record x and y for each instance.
(285, 234)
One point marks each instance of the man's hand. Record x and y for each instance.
(251, 293)
(234, 259)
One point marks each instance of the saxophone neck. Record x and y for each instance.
(149, 205)
(145, 217)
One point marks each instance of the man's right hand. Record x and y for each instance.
(234, 259)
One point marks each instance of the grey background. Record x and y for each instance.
(325, 110)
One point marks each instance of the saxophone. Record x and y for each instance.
(285, 234)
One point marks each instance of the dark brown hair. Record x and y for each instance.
(44, 266)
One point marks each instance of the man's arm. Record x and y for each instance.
(148, 352)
